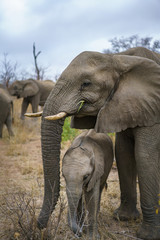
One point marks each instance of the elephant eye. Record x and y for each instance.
(85, 177)
(85, 84)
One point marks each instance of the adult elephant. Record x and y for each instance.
(113, 93)
(6, 111)
(33, 92)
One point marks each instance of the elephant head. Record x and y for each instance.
(23, 89)
(108, 92)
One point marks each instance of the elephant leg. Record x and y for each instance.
(1, 128)
(147, 153)
(9, 125)
(92, 204)
(25, 104)
(125, 158)
(35, 102)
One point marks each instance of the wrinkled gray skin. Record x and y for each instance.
(121, 94)
(33, 92)
(85, 167)
(6, 111)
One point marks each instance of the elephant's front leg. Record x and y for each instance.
(147, 153)
(124, 150)
(92, 206)
(1, 128)
(9, 125)
(25, 104)
(35, 102)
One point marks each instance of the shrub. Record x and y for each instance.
(68, 132)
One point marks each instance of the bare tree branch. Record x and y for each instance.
(37, 70)
(122, 44)
(7, 71)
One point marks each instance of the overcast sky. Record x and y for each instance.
(62, 29)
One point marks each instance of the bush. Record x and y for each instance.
(68, 132)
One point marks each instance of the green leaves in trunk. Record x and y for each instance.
(81, 105)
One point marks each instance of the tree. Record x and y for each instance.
(7, 71)
(35, 55)
(122, 44)
(39, 71)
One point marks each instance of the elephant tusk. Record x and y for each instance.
(56, 117)
(38, 114)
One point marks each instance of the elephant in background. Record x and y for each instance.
(6, 111)
(85, 167)
(111, 93)
(33, 92)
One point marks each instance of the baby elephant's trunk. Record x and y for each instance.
(73, 202)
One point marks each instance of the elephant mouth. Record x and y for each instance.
(87, 108)
(80, 112)
(16, 94)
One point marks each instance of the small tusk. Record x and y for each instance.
(57, 116)
(38, 114)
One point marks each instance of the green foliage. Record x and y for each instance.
(68, 132)
(81, 105)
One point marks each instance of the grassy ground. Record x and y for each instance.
(21, 189)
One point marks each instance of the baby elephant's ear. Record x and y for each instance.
(98, 166)
(136, 100)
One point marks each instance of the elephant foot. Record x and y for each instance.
(94, 236)
(149, 232)
(124, 213)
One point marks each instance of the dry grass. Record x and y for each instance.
(21, 191)
(23, 130)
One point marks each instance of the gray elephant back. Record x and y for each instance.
(91, 140)
(45, 89)
(101, 139)
(88, 137)
(142, 52)
(4, 94)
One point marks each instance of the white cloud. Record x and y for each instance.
(99, 45)
(17, 17)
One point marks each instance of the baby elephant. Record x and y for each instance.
(85, 167)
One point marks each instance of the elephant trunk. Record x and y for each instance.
(50, 140)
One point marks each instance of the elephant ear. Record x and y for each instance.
(137, 99)
(30, 89)
(97, 160)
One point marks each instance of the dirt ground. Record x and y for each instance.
(21, 192)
